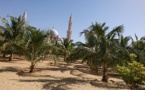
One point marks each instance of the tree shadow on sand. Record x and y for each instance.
(10, 69)
(15, 58)
(59, 84)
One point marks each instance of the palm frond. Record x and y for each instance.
(116, 31)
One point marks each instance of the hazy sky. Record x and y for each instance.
(45, 14)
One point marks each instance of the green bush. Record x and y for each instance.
(133, 74)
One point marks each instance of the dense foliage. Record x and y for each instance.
(133, 74)
(12, 35)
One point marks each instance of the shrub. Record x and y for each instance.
(132, 74)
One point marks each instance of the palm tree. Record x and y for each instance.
(139, 48)
(35, 48)
(12, 34)
(65, 47)
(124, 50)
(90, 43)
(105, 47)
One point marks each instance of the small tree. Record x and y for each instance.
(35, 48)
(66, 47)
(101, 47)
(12, 35)
(133, 74)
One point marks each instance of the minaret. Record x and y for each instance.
(24, 17)
(69, 32)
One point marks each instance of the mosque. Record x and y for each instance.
(54, 35)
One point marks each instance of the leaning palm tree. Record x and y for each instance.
(35, 48)
(105, 48)
(12, 34)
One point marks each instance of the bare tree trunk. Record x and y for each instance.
(97, 71)
(89, 63)
(11, 57)
(131, 86)
(64, 57)
(32, 67)
(105, 76)
(4, 55)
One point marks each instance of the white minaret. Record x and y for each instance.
(24, 17)
(69, 32)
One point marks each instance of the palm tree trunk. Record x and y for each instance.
(32, 67)
(65, 57)
(4, 55)
(105, 76)
(11, 57)
(89, 63)
(131, 87)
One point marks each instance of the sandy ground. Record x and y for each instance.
(49, 77)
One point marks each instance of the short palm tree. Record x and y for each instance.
(90, 43)
(35, 48)
(65, 47)
(12, 34)
(105, 47)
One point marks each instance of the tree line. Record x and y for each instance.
(102, 47)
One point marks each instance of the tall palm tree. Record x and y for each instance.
(35, 48)
(12, 34)
(105, 47)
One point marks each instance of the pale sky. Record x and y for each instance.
(45, 14)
